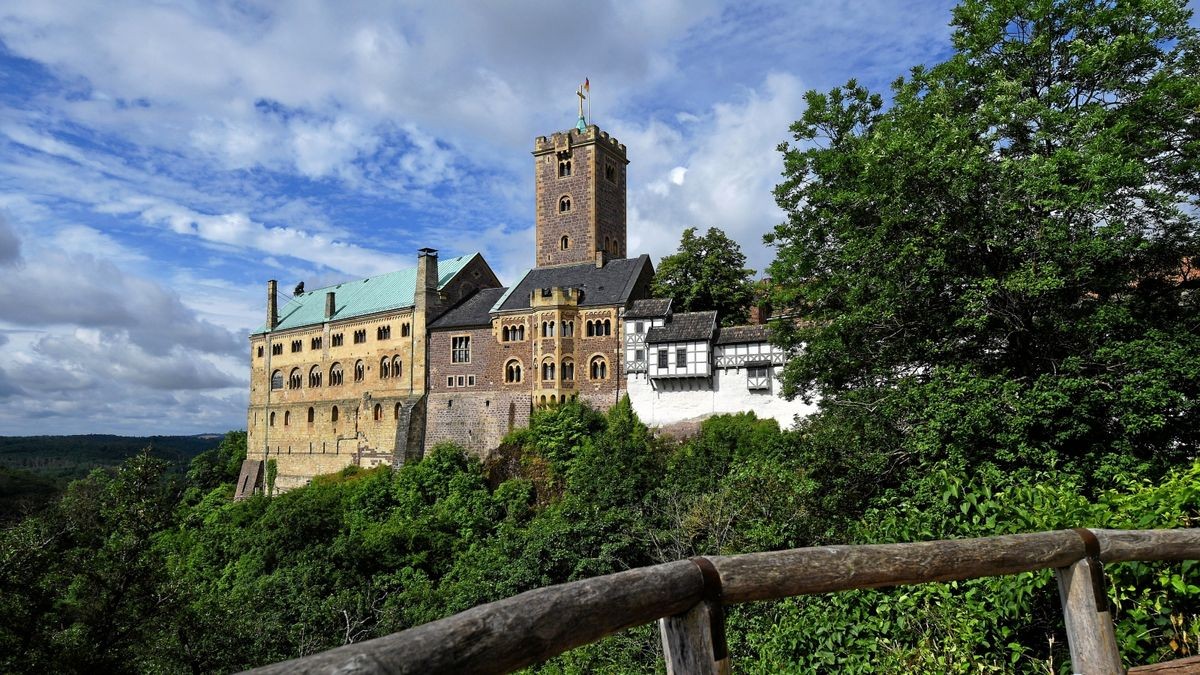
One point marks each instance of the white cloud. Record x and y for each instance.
(728, 171)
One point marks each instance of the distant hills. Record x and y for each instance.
(35, 469)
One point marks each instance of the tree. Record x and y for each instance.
(999, 263)
(707, 273)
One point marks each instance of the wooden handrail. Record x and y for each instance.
(537, 625)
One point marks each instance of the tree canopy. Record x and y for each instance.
(708, 272)
(998, 264)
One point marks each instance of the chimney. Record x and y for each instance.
(601, 257)
(272, 306)
(330, 305)
(425, 295)
(427, 269)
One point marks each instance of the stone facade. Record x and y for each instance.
(347, 391)
(579, 183)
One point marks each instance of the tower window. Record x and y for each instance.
(599, 368)
(610, 172)
(512, 371)
(564, 168)
(564, 243)
(564, 204)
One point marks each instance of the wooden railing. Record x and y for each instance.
(687, 598)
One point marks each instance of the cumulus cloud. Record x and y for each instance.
(727, 168)
(57, 289)
(10, 246)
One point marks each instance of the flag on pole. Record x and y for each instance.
(587, 86)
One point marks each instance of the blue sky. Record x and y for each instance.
(160, 161)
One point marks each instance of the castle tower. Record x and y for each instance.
(579, 178)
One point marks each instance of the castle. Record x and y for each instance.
(377, 370)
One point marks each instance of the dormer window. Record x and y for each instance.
(564, 204)
(564, 243)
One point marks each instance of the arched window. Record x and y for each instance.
(520, 333)
(287, 417)
(564, 243)
(564, 168)
(568, 370)
(504, 334)
(512, 371)
(335, 375)
(599, 368)
(312, 415)
(314, 376)
(294, 379)
(360, 371)
(272, 418)
(607, 327)
(396, 363)
(378, 412)
(397, 412)
(333, 414)
(277, 379)
(591, 329)
(385, 368)
(564, 204)
(606, 245)
(548, 371)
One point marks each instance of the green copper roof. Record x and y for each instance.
(393, 290)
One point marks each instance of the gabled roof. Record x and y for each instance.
(686, 327)
(649, 308)
(733, 335)
(360, 297)
(608, 285)
(473, 312)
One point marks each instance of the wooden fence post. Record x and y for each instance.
(1089, 623)
(688, 641)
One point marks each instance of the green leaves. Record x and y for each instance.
(708, 272)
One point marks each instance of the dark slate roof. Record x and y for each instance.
(741, 334)
(474, 311)
(608, 285)
(686, 327)
(649, 308)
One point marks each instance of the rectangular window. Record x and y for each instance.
(450, 381)
(639, 355)
(337, 340)
(681, 357)
(758, 378)
(461, 380)
(639, 327)
(662, 358)
(470, 380)
(316, 343)
(460, 349)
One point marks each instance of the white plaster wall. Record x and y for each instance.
(684, 399)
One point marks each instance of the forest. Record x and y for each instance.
(987, 281)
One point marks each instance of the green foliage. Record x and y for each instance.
(996, 259)
(708, 272)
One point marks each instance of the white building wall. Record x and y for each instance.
(666, 401)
